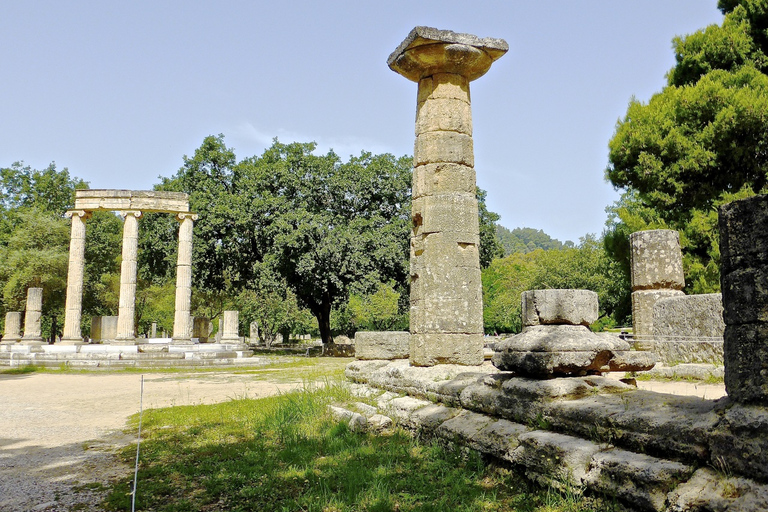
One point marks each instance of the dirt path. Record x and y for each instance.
(58, 432)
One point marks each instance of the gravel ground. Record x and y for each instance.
(59, 432)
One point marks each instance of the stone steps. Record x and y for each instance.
(641, 446)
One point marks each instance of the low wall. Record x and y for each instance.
(688, 329)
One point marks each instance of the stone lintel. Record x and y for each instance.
(426, 51)
(144, 200)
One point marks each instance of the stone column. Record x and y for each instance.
(32, 315)
(126, 333)
(657, 273)
(153, 330)
(12, 332)
(230, 331)
(446, 292)
(744, 282)
(182, 321)
(74, 306)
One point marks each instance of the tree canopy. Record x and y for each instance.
(700, 142)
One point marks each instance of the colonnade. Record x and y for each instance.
(130, 205)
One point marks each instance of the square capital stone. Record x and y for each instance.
(427, 51)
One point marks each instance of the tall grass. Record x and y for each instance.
(286, 453)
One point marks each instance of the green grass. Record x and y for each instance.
(711, 379)
(30, 368)
(286, 453)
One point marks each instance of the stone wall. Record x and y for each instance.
(689, 329)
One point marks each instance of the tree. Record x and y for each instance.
(585, 267)
(702, 141)
(490, 245)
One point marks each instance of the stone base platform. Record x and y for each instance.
(652, 451)
(148, 355)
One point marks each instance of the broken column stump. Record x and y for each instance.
(556, 339)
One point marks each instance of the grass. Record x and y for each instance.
(286, 453)
(30, 368)
(710, 379)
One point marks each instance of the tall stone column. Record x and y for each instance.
(32, 315)
(230, 329)
(657, 273)
(182, 321)
(446, 291)
(12, 332)
(126, 332)
(73, 309)
(744, 282)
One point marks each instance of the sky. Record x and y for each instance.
(119, 92)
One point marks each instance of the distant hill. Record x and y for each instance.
(527, 240)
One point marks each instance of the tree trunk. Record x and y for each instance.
(54, 328)
(323, 315)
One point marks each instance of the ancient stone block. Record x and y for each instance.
(554, 459)
(103, 328)
(745, 295)
(745, 350)
(634, 478)
(201, 328)
(698, 316)
(739, 444)
(545, 350)
(444, 114)
(437, 147)
(428, 349)
(657, 261)
(382, 345)
(432, 179)
(642, 313)
(743, 240)
(569, 307)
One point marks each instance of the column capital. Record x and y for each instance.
(126, 213)
(186, 215)
(427, 51)
(83, 214)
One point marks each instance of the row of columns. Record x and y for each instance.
(182, 326)
(32, 317)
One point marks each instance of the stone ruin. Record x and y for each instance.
(556, 339)
(679, 328)
(446, 292)
(649, 451)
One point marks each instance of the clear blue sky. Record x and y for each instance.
(118, 92)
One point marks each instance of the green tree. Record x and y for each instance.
(698, 143)
(586, 267)
(490, 245)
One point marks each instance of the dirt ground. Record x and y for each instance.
(58, 432)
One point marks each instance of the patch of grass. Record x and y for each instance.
(287, 453)
(30, 368)
(710, 379)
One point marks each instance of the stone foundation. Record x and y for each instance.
(651, 451)
(382, 344)
(689, 329)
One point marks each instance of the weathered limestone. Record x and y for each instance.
(201, 329)
(382, 344)
(153, 330)
(689, 329)
(446, 294)
(12, 332)
(230, 330)
(144, 200)
(126, 332)
(182, 321)
(556, 340)
(657, 272)
(33, 314)
(74, 304)
(744, 278)
(103, 328)
(565, 307)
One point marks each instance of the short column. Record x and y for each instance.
(182, 321)
(446, 290)
(744, 282)
(73, 310)
(657, 273)
(230, 329)
(126, 330)
(33, 314)
(12, 332)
